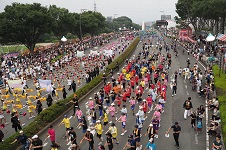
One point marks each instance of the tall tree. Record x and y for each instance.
(92, 22)
(63, 21)
(24, 23)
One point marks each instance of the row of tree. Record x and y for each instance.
(27, 23)
(204, 15)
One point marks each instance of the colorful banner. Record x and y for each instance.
(108, 52)
(16, 84)
(45, 84)
(6, 56)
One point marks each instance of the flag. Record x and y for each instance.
(45, 84)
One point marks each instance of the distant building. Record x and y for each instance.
(147, 25)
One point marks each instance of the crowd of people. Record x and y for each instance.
(141, 86)
(202, 82)
(66, 74)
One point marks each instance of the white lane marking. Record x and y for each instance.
(202, 65)
(207, 119)
(184, 81)
(196, 139)
(187, 93)
(186, 86)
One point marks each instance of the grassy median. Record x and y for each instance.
(220, 83)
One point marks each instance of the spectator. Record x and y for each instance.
(217, 143)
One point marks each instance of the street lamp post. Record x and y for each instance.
(80, 23)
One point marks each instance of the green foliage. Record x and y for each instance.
(221, 94)
(24, 23)
(51, 113)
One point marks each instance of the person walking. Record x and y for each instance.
(187, 106)
(176, 132)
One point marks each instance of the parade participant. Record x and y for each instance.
(23, 139)
(132, 104)
(151, 145)
(89, 137)
(176, 132)
(105, 119)
(16, 124)
(137, 136)
(66, 122)
(122, 119)
(49, 100)
(51, 134)
(72, 137)
(111, 110)
(150, 131)
(187, 106)
(79, 114)
(36, 143)
(99, 131)
(109, 141)
(131, 144)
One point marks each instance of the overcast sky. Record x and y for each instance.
(137, 10)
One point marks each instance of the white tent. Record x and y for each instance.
(210, 38)
(63, 39)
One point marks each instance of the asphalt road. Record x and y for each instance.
(173, 112)
(8, 130)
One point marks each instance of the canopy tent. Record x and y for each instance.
(63, 39)
(219, 36)
(223, 38)
(210, 38)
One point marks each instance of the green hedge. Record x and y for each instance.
(51, 113)
(221, 94)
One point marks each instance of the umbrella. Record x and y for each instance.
(63, 39)
(210, 38)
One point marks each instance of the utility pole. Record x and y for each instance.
(80, 22)
(95, 6)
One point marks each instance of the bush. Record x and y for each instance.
(221, 94)
(51, 113)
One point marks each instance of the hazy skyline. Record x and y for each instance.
(138, 11)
